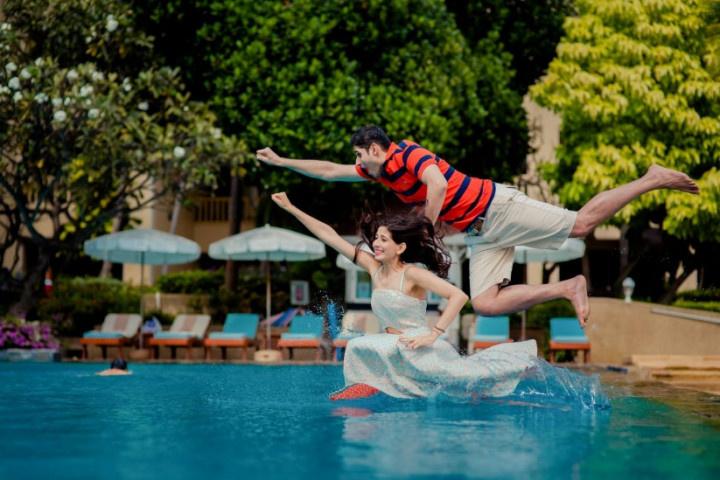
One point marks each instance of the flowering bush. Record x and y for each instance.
(28, 335)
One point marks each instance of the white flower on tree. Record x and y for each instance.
(98, 76)
(14, 83)
(86, 90)
(72, 75)
(178, 152)
(25, 74)
(93, 113)
(57, 102)
(10, 67)
(17, 97)
(111, 24)
(60, 116)
(41, 98)
(143, 106)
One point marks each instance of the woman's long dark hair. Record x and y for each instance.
(416, 231)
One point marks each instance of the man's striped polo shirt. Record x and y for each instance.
(466, 197)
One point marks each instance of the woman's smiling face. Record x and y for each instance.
(384, 247)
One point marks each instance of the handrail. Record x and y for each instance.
(686, 315)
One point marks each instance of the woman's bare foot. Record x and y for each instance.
(667, 178)
(579, 298)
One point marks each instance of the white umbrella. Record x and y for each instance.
(571, 249)
(268, 244)
(144, 246)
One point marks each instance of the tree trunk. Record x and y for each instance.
(32, 283)
(670, 293)
(173, 223)
(235, 217)
(106, 269)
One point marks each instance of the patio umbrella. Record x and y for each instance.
(144, 246)
(571, 249)
(268, 244)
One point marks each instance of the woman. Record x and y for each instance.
(409, 359)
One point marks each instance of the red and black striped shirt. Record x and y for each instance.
(466, 197)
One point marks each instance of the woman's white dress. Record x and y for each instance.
(380, 361)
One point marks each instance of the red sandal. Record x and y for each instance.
(354, 392)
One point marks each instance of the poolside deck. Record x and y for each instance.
(695, 372)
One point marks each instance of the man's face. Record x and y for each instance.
(371, 159)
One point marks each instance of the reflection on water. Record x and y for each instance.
(491, 439)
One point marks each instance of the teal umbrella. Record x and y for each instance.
(143, 246)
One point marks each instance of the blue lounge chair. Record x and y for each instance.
(239, 330)
(566, 334)
(489, 331)
(306, 331)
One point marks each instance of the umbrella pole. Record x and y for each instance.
(142, 279)
(267, 304)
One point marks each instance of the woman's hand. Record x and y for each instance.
(282, 200)
(393, 331)
(417, 342)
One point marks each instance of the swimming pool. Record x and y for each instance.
(246, 421)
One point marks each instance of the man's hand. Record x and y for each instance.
(418, 342)
(267, 155)
(282, 200)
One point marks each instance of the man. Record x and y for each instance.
(495, 217)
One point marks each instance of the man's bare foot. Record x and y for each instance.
(667, 178)
(579, 298)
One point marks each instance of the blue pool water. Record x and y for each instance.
(61, 421)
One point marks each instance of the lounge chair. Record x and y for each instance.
(117, 330)
(240, 330)
(305, 332)
(489, 331)
(186, 331)
(283, 318)
(566, 334)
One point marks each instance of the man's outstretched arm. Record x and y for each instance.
(436, 190)
(320, 169)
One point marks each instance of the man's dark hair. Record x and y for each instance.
(119, 363)
(368, 135)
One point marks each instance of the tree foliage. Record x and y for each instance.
(83, 142)
(632, 86)
(301, 76)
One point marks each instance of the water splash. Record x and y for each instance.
(333, 319)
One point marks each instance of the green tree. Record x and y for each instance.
(633, 89)
(302, 75)
(91, 128)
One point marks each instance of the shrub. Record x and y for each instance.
(702, 295)
(539, 316)
(80, 303)
(191, 281)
